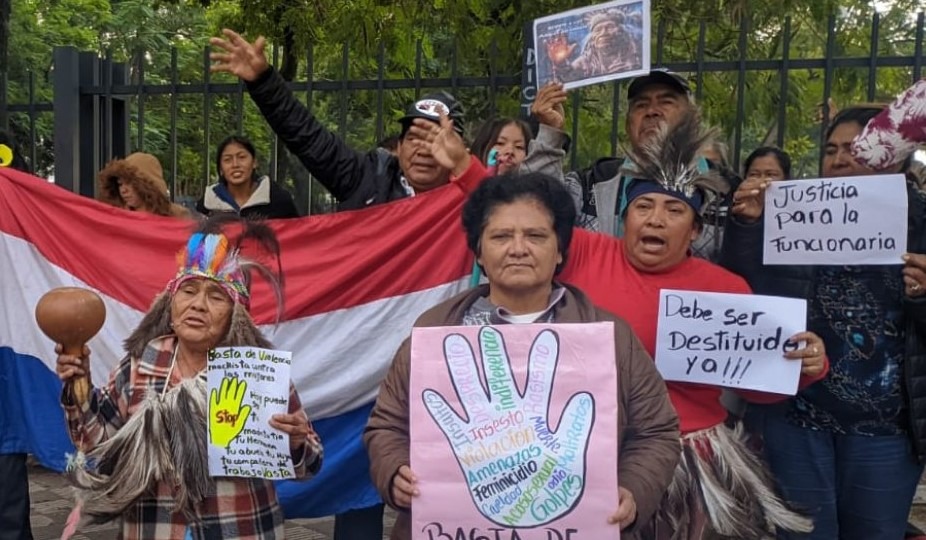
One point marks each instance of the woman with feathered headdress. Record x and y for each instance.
(142, 438)
(720, 488)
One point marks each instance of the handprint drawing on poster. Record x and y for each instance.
(521, 472)
(227, 414)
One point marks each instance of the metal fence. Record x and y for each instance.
(98, 113)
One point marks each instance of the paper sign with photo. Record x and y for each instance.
(593, 44)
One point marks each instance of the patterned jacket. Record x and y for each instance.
(238, 508)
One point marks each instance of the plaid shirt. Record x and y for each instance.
(237, 508)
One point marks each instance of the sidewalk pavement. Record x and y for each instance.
(52, 501)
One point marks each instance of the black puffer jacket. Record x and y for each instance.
(269, 201)
(742, 253)
(355, 179)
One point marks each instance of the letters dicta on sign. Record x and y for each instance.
(732, 340)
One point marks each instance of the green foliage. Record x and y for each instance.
(474, 38)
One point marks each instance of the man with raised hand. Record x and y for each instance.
(355, 179)
(430, 153)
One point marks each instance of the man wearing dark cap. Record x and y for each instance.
(355, 179)
(659, 98)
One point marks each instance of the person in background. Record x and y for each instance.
(137, 183)
(241, 189)
(355, 179)
(768, 162)
(508, 138)
(851, 448)
(14, 497)
(529, 219)
(765, 164)
(389, 144)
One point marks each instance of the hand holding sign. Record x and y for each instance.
(914, 274)
(548, 107)
(749, 200)
(228, 417)
(812, 355)
(520, 472)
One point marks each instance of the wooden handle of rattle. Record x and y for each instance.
(80, 386)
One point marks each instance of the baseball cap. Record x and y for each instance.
(658, 76)
(430, 107)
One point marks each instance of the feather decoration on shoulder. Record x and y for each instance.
(671, 157)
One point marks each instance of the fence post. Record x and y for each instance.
(121, 115)
(4, 106)
(66, 108)
(89, 149)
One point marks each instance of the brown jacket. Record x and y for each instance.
(647, 424)
(144, 173)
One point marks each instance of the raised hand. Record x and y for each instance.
(559, 49)
(548, 106)
(442, 142)
(749, 200)
(227, 417)
(242, 59)
(521, 472)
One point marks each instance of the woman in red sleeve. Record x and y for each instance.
(720, 486)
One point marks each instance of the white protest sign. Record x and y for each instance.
(245, 387)
(835, 221)
(733, 340)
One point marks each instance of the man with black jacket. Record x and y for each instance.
(355, 179)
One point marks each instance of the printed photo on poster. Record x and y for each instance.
(507, 426)
(246, 386)
(593, 44)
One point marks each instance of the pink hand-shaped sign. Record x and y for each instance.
(506, 438)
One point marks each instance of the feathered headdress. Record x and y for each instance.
(671, 158)
(212, 254)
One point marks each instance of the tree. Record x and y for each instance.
(481, 36)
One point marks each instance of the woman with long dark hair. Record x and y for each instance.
(241, 189)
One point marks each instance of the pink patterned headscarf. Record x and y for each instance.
(895, 133)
